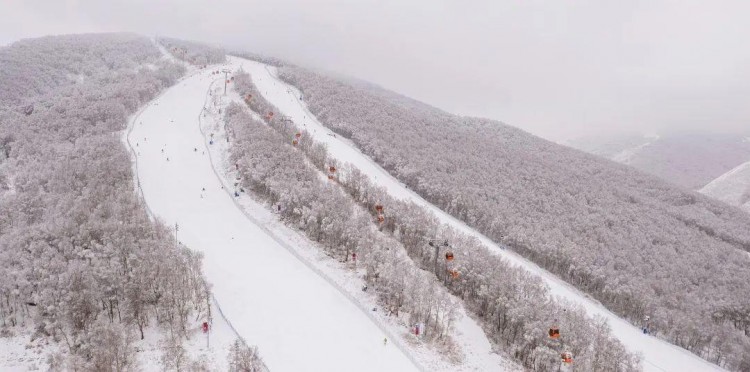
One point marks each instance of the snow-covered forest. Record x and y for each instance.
(690, 159)
(640, 246)
(86, 265)
(81, 261)
(191, 52)
(516, 311)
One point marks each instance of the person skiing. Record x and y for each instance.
(385, 341)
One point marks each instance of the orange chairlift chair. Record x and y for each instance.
(554, 332)
(566, 357)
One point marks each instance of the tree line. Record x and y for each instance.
(81, 261)
(514, 307)
(642, 247)
(191, 52)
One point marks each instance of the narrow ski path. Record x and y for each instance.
(657, 355)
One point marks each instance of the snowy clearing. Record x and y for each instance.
(658, 355)
(732, 187)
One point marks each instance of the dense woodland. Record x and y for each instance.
(81, 262)
(687, 159)
(274, 171)
(191, 52)
(513, 306)
(640, 246)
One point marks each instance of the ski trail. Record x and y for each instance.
(658, 355)
(477, 349)
(298, 320)
(228, 190)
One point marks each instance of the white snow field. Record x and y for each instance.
(732, 187)
(296, 318)
(658, 355)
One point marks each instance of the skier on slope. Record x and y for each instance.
(385, 341)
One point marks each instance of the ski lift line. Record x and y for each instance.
(302, 259)
(513, 258)
(141, 196)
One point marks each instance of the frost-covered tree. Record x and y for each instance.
(637, 244)
(192, 52)
(244, 358)
(80, 259)
(513, 306)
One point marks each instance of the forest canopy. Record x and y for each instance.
(81, 261)
(639, 245)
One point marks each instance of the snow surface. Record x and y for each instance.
(19, 353)
(658, 355)
(732, 187)
(475, 347)
(212, 348)
(273, 299)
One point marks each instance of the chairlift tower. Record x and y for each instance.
(226, 78)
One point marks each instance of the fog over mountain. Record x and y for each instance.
(450, 186)
(688, 159)
(554, 69)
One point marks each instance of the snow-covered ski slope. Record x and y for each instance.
(298, 320)
(732, 187)
(471, 341)
(657, 354)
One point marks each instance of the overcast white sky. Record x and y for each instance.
(558, 69)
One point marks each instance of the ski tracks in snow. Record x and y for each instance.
(299, 323)
(227, 189)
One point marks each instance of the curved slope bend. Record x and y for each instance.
(295, 317)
